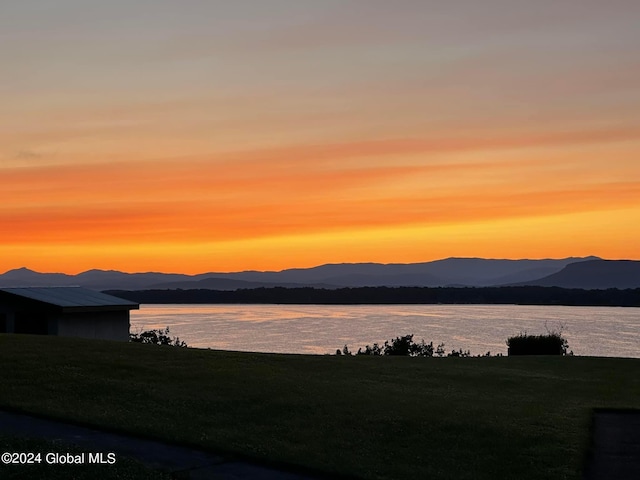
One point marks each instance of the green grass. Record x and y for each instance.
(372, 417)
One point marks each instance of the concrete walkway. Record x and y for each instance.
(188, 463)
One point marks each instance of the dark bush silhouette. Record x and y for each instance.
(399, 346)
(375, 350)
(344, 351)
(157, 337)
(460, 353)
(421, 349)
(553, 343)
(405, 346)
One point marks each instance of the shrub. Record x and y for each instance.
(553, 343)
(157, 337)
(421, 349)
(459, 353)
(400, 346)
(375, 350)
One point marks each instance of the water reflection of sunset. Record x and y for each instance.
(321, 329)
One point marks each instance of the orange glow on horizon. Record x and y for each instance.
(523, 238)
(253, 212)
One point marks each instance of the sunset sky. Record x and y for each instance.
(215, 135)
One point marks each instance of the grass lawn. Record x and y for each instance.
(371, 417)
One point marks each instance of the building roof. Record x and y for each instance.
(72, 298)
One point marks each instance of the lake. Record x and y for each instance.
(321, 329)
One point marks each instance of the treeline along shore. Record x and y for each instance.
(391, 295)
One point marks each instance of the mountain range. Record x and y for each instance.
(594, 274)
(573, 272)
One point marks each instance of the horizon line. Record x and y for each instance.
(588, 257)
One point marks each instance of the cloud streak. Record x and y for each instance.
(255, 198)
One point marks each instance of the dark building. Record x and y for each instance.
(64, 311)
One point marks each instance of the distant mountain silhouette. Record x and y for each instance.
(25, 277)
(594, 274)
(473, 272)
(103, 279)
(450, 271)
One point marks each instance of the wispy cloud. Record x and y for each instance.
(296, 190)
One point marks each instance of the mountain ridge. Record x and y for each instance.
(593, 274)
(453, 271)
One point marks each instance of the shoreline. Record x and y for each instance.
(508, 295)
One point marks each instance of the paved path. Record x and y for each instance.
(615, 446)
(190, 463)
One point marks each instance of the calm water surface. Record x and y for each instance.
(321, 329)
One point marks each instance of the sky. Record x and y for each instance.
(208, 135)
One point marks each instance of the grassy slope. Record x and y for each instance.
(524, 418)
